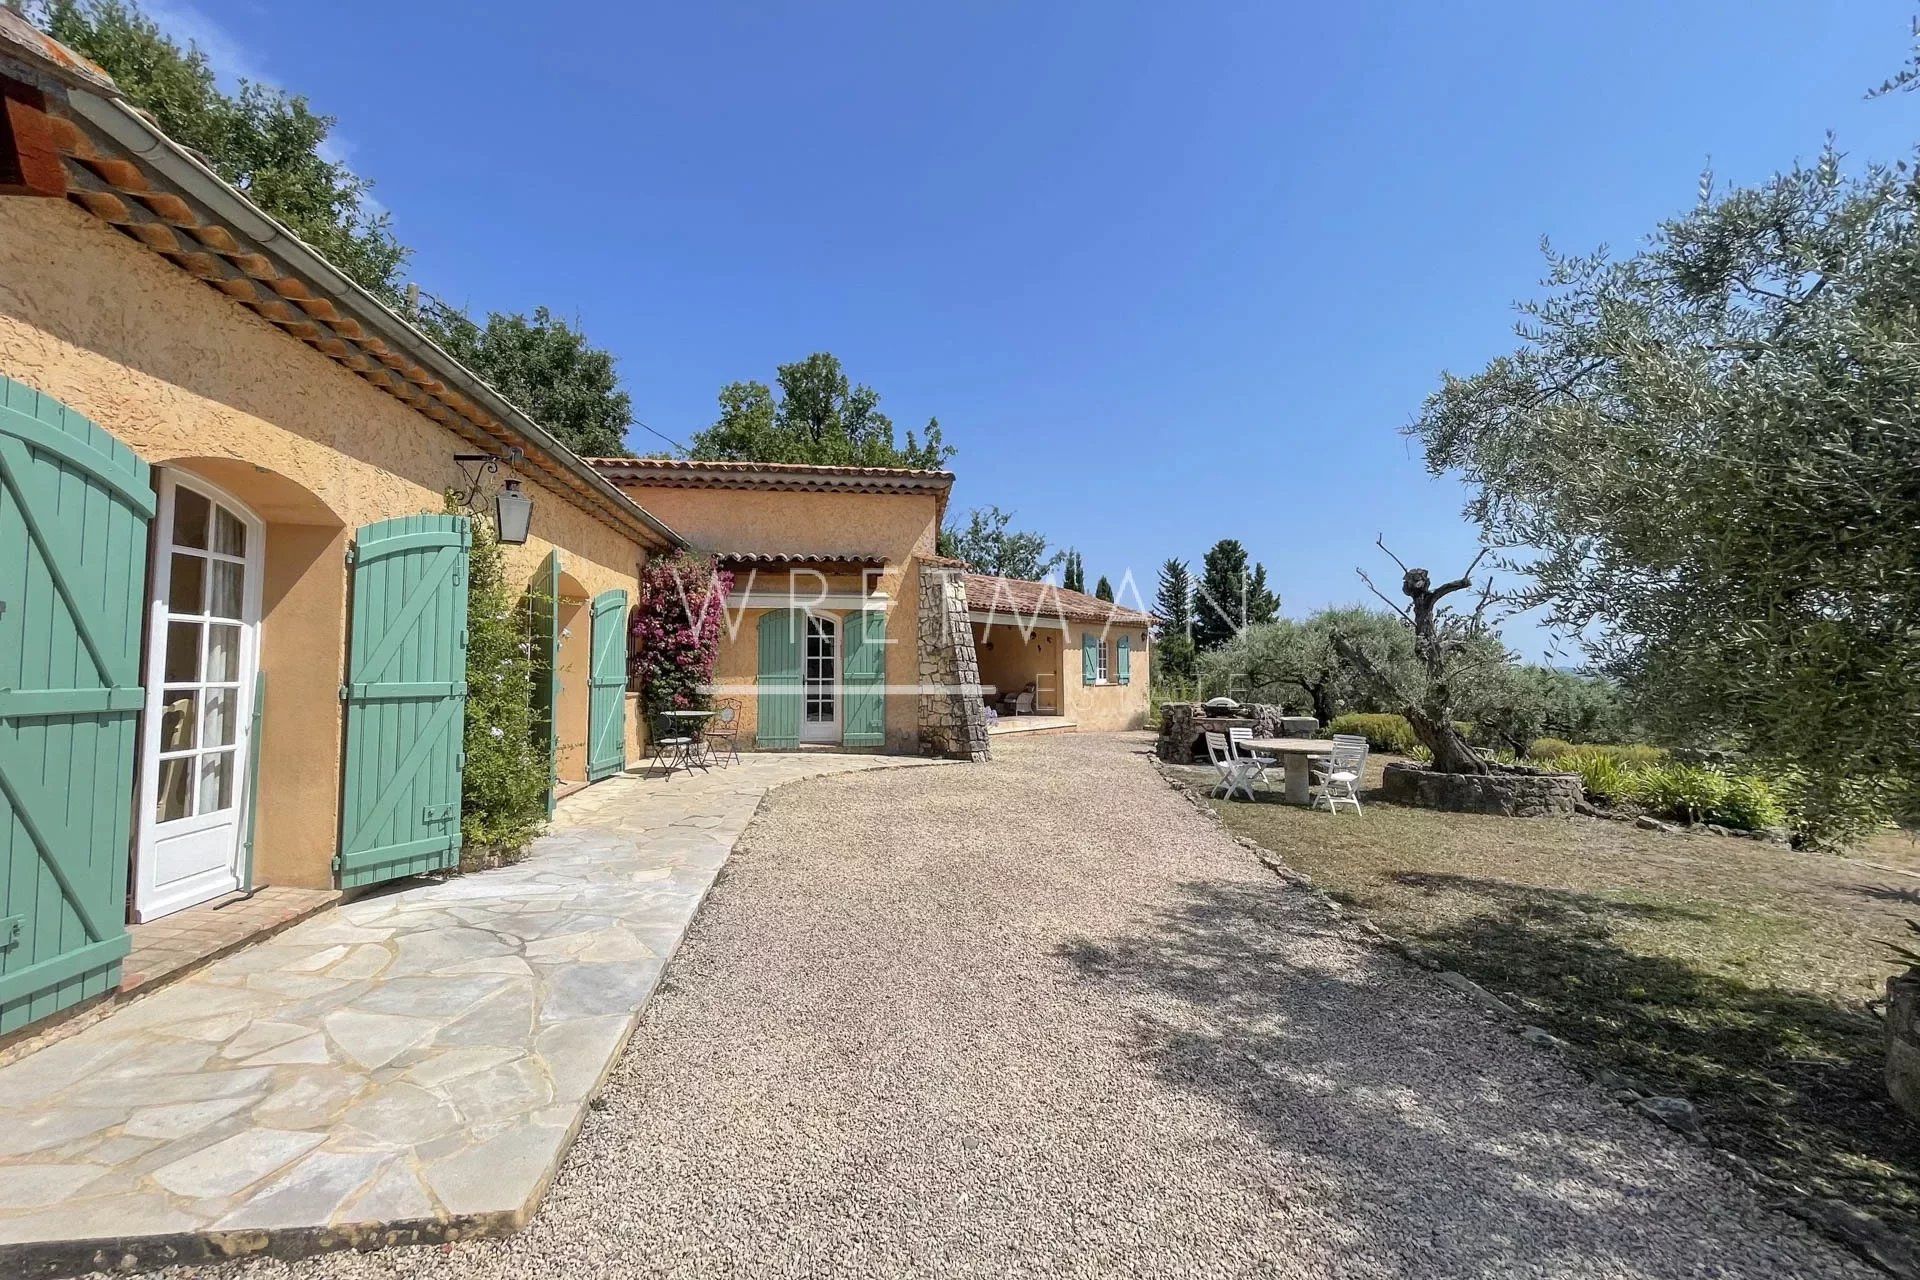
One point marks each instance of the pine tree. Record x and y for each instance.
(1173, 601)
(1103, 590)
(1076, 573)
(1231, 595)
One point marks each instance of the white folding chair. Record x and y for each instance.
(1237, 740)
(1339, 775)
(1236, 774)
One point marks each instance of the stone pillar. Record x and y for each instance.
(953, 721)
(1177, 731)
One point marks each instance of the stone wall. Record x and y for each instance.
(1182, 723)
(953, 721)
(1510, 795)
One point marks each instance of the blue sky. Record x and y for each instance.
(1126, 252)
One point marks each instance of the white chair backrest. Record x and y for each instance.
(1217, 749)
(1349, 756)
(1023, 705)
(1235, 737)
(1350, 739)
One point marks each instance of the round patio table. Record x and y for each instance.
(690, 755)
(1295, 754)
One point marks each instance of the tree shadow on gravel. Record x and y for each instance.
(1356, 1063)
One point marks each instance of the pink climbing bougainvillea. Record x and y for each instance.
(676, 630)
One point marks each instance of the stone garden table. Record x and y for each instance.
(1295, 754)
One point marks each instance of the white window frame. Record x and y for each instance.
(1103, 669)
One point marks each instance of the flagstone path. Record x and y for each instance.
(410, 1066)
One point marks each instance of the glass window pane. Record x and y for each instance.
(190, 512)
(218, 730)
(223, 652)
(183, 651)
(223, 597)
(216, 782)
(229, 535)
(187, 584)
(179, 717)
(173, 801)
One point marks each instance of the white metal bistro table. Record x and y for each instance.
(1296, 755)
(689, 753)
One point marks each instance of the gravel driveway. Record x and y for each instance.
(1039, 1017)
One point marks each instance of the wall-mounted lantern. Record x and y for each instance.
(513, 513)
(512, 509)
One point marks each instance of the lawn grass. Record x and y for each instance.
(1727, 971)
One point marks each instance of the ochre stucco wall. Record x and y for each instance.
(900, 527)
(1017, 659)
(187, 377)
(1112, 705)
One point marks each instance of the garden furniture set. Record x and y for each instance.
(1317, 771)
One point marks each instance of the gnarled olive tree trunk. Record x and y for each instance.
(1431, 712)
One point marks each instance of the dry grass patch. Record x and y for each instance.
(1728, 971)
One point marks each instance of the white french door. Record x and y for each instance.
(202, 653)
(820, 681)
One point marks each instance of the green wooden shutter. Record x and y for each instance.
(543, 606)
(252, 798)
(779, 678)
(1089, 660)
(607, 688)
(863, 675)
(1124, 661)
(406, 695)
(74, 508)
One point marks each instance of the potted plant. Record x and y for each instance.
(1903, 1026)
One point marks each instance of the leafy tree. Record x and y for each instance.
(1230, 595)
(1294, 663)
(819, 417)
(263, 140)
(989, 546)
(1516, 704)
(1103, 590)
(1703, 455)
(1076, 573)
(548, 369)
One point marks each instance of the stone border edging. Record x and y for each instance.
(1847, 1224)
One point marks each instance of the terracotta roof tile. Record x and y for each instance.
(801, 557)
(1021, 598)
(791, 477)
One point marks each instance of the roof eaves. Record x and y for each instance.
(91, 93)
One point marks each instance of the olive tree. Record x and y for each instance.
(1702, 455)
(1293, 662)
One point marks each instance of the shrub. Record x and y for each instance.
(676, 630)
(1605, 778)
(1548, 749)
(503, 789)
(1382, 732)
(1644, 778)
(1686, 792)
(1751, 804)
